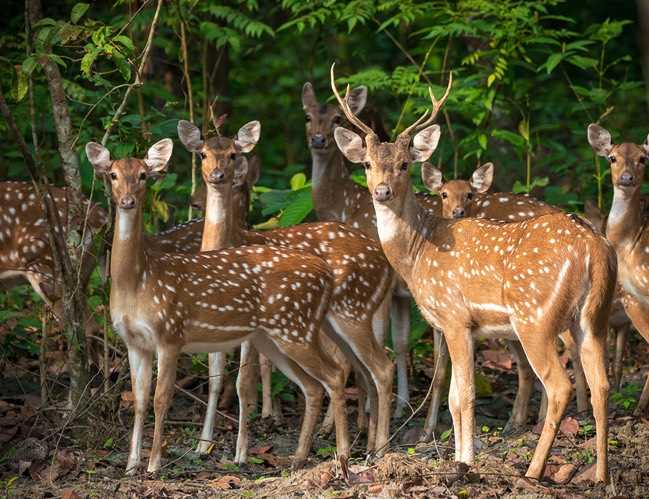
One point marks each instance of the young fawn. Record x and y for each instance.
(524, 280)
(361, 273)
(167, 303)
(336, 197)
(471, 198)
(626, 229)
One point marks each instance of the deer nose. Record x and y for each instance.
(458, 212)
(318, 141)
(127, 202)
(216, 177)
(382, 192)
(626, 179)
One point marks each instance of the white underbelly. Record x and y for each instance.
(215, 346)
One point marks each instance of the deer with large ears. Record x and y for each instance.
(336, 197)
(627, 228)
(166, 303)
(471, 198)
(361, 273)
(523, 280)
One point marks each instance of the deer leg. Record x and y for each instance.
(400, 338)
(592, 340)
(329, 344)
(311, 389)
(580, 379)
(216, 370)
(544, 359)
(620, 346)
(462, 393)
(381, 320)
(437, 390)
(164, 392)
(245, 380)
(141, 370)
(526, 378)
(266, 369)
(639, 315)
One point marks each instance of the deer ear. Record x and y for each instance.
(190, 135)
(240, 171)
(248, 136)
(599, 139)
(308, 96)
(432, 177)
(253, 170)
(357, 99)
(350, 144)
(482, 178)
(99, 157)
(159, 155)
(424, 143)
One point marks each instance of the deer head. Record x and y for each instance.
(627, 160)
(457, 194)
(387, 164)
(128, 176)
(322, 119)
(221, 157)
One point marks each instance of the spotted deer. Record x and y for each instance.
(361, 273)
(523, 280)
(619, 321)
(168, 303)
(25, 252)
(626, 229)
(471, 198)
(336, 197)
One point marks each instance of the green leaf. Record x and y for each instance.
(122, 65)
(298, 209)
(255, 460)
(446, 435)
(88, 59)
(519, 188)
(109, 442)
(21, 85)
(57, 60)
(298, 181)
(511, 137)
(125, 41)
(552, 62)
(78, 11)
(582, 62)
(29, 65)
(482, 140)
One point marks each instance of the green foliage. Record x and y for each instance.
(627, 396)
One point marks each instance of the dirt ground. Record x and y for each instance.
(43, 454)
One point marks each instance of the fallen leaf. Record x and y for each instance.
(262, 449)
(497, 359)
(375, 489)
(587, 475)
(560, 473)
(128, 396)
(226, 482)
(71, 494)
(569, 426)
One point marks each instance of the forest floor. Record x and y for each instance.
(43, 454)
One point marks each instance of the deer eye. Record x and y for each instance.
(366, 166)
(337, 120)
(404, 166)
(444, 195)
(233, 156)
(469, 195)
(203, 155)
(307, 118)
(113, 176)
(143, 176)
(611, 159)
(642, 160)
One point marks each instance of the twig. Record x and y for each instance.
(138, 76)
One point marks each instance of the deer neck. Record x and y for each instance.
(128, 260)
(218, 230)
(400, 227)
(625, 217)
(329, 178)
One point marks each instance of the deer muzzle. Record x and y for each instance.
(318, 141)
(216, 177)
(127, 202)
(625, 180)
(382, 192)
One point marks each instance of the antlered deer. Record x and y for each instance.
(166, 303)
(627, 230)
(525, 280)
(337, 197)
(464, 198)
(361, 273)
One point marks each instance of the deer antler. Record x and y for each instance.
(437, 105)
(353, 119)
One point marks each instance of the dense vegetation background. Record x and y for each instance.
(529, 76)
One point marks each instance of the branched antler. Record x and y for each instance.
(437, 105)
(353, 119)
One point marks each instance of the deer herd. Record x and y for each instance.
(316, 300)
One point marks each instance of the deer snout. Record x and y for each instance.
(382, 192)
(626, 179)
(318, 141)
(127, 202)
(458, 212)
(216, 177)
